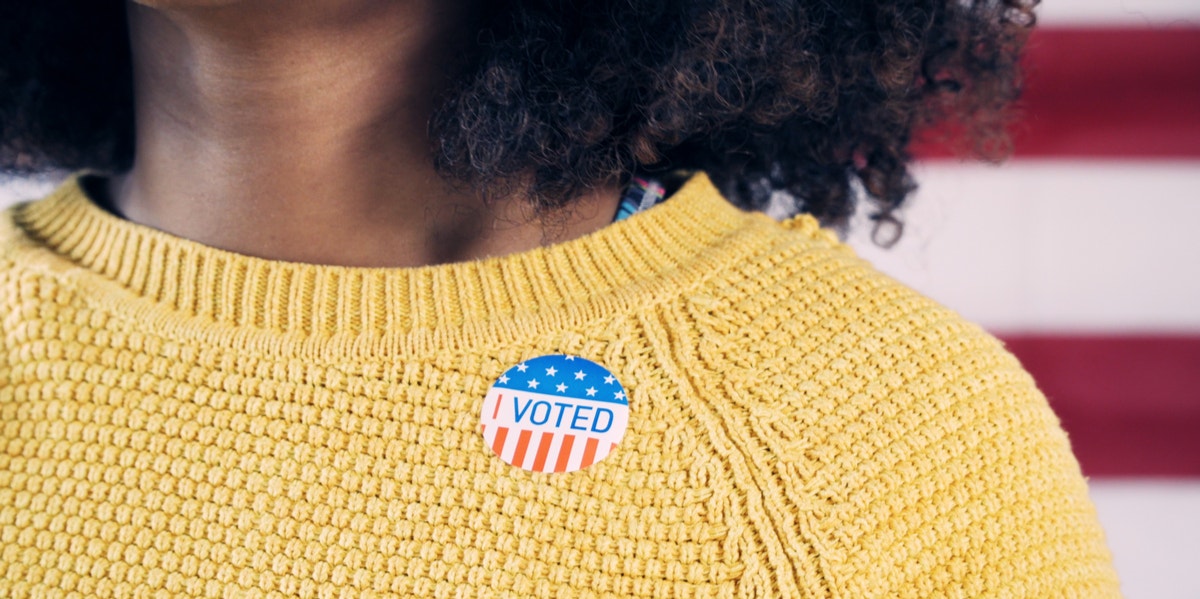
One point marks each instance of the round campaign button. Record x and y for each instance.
(554, 413)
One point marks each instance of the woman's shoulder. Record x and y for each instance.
(34, 281)
(19, 250)
(15, 244)
(916, 441)
(796, 286)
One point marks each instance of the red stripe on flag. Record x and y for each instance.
(1110, 93)
(522, 445)
(539, 461)
(498, 442)
(1130, 404)
(564, 454)
(589, 452)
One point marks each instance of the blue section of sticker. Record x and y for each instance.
(568, 377)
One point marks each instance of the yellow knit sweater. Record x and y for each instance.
(179, 420)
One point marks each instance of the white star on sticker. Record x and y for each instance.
(591, 391)
(533, 383)
(503, 378)
(551, 371)
(618, 395)
(570, 358)
(608, 380)
(562, 387)
(522, 367)
(579, 375)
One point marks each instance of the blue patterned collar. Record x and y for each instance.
(641, 194)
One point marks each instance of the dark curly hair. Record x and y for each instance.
(817, 99)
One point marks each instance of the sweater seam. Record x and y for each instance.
(777, 529)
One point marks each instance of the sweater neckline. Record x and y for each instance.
(195, 280)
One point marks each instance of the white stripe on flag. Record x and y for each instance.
(1153, 529)
(1119, 13)
(1054, 246)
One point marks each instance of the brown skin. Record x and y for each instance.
(296, 130)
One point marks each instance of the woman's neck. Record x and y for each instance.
(297, 131)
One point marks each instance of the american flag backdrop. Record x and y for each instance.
(1083, 254)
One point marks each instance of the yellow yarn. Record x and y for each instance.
(178, 420)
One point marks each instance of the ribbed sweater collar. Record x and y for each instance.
(614, 264)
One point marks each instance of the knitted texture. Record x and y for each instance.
(179, 420)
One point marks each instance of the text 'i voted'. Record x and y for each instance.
(554, 413)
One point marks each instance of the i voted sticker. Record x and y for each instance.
(555, 413)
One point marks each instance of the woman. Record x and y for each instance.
(337, 306)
